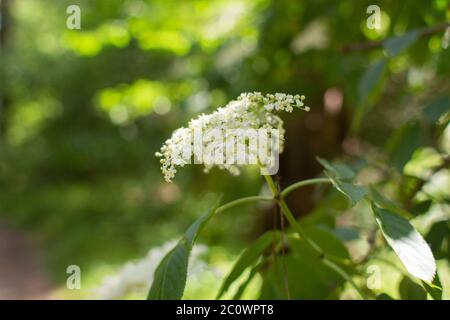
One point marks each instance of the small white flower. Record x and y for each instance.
(248, 111)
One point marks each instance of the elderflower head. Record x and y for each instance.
(246, 131)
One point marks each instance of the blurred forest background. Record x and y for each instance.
(82, 113)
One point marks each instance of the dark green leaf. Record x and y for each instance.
(244, 285)
(407, 243)
(396, 45)
(438, 238)
(435, 288)
(248, 257)
(308, 276)
(347, 233)
(170, 276)
(368, 87)
(353, 192)
(383, 202)
(337, 170)
(403, 143)
(384, 296)
(437, 108)
(370, 79)
(328, 241)
(409, 290)
(421, 207)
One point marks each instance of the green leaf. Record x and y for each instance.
(307, 275)
(353, 192)
(396, 45)
(437, 108)
(402, 144)
(384, 296)
(328, 241)
(250, 277)
(434, 288)
(439, 239)
(407, 243)
(386, 203)
(248, 257)
(409, 290)
(423, 163)
(347, 233)
(368, 87)
(170, 276)
(421, 207)
(339, 171)
(370, 80)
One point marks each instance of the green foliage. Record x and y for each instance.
(410, 290)
(254, 271)
(370, 79)
(339, 172)
(385, 203)
(248, 258)
(367, 87)
(384, 296)
(407, 243)
(353, 192)
(83, 111)
(170, 276)
(304, 267)
(437, 108)
(403, 143)
(434, 288)
(438, 237)
(396, 45)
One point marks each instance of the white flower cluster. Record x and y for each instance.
(137, 277)
(249, 111)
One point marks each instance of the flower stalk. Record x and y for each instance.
(330, 261)
(240, 201)
(303, 183)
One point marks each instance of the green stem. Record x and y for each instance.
(290, 217)
(303, 183)
(311, 243)
(327, 260)
(242, 201)
(293, 222)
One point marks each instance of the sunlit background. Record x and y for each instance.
(82, 113)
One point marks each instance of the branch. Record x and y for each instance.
(303, 183)
(242, 201)
(352, 47)
(327, 259)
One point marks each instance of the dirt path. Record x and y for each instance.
(21, 271)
